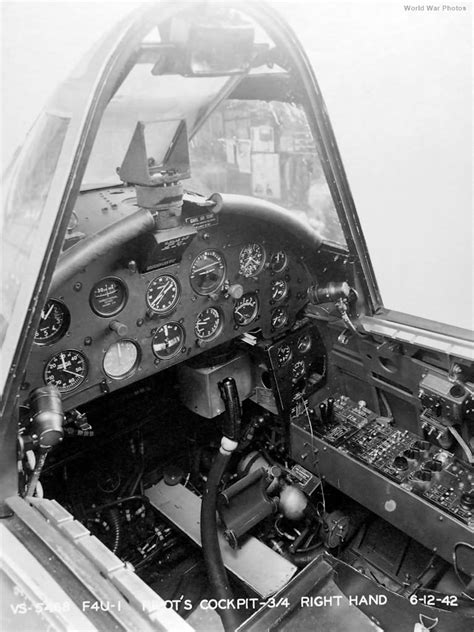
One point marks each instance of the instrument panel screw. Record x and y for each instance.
(77, 286)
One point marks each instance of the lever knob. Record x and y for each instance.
(120, 328)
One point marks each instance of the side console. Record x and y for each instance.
(419, 487)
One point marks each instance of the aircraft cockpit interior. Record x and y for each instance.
(218, 425)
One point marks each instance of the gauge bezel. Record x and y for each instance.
(285, 293)
(246, 321)
(215, 286)
(307, 345)
(280, 268)
(63, 328)
(290, 354)
(219, 325)
(169, 309)
(67, 389)
(261, 263)
(286, 314)
(178, 349)
(132, 368)
(124, 298)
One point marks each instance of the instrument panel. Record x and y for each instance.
(112, 324)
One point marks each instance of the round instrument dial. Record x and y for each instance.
(251, 260)
(278, 261)
(121, 359)
(207, 272)
(246, 309)
(168, 341)
(67, 370)
(208, 323)
(162, 294)
(298, 370)
(279, 289)
(283, 354)
(304, 343)
(55, 319)
(279, 317)
(108, 297)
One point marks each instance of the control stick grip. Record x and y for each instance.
(233, 413)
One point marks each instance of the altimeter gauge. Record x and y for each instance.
(251, 260)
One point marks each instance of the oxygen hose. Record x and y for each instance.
(209, 538)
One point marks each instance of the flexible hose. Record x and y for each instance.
(305, 556)
(210, 542)
(114, 521)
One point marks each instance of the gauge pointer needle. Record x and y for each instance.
(45, 316)
(73, 373)
(63, 362)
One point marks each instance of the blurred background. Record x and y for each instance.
(397, 85)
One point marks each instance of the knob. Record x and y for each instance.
(235, 291)
(120, 328)
(467, 500)
(400, 462)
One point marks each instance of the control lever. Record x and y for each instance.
(233, 411)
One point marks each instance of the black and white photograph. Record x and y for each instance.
(236, 316)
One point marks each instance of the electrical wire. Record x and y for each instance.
(316, 462)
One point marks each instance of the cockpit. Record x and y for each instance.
(213, 423)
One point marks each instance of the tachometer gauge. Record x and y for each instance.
(304, 343)
(298, 370)
(251, 260)
(208, 323)
(168, 341)
(278, 261)
(67, 370)
(283, 354)
(207, 272)
(120, 359)
(162, 294)
(55, 319)
(108, 297)
(279, 289)
(246, 309)
(279, 317)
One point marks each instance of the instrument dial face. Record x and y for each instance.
(278, 261)
(121, 359)
(67, 370)
(208, 323)
(168, 341)
(246, 309)
(298, 370)
(163, 294)
(207, 272)
(279, 317)
(279, 289)
(55, 319)
(251, 260)
(283, 354)
(108, 297)
(304, 343)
